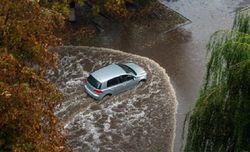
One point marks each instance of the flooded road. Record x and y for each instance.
(185, 58)
(141, 119)
(185, 55)
(182, 52)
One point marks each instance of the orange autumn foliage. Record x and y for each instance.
(27, 99)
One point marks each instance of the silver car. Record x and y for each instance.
(113, 79)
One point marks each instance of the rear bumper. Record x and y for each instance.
(92, 94)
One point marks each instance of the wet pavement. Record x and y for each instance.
(182, 52)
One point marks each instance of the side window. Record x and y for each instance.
(126, 78)
(129, 77)
(113, 82)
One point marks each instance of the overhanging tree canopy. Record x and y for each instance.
(27, 99)
(220, 119)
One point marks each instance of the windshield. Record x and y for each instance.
(126, 68)
(94, 82)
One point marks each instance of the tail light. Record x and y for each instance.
(97, 91)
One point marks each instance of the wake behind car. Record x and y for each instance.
(114, 79)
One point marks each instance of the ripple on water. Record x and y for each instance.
(141, 119)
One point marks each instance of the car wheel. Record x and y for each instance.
(106, 97)
(142, 81)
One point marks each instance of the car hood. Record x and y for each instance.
(138, 70)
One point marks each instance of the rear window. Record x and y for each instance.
(126, 68)
(94, 82)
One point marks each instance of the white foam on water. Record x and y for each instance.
(122, 112)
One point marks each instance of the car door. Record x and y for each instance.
(127, 81)
(114, 85)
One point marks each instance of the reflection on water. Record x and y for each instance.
(124, 38)
(132, 34)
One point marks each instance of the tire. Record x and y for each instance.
(142, 81)
(106, 97)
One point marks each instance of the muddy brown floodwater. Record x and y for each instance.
(182, 52)
(141, 119)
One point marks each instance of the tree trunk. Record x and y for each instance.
(72, 14)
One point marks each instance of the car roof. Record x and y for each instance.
(106, 73)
